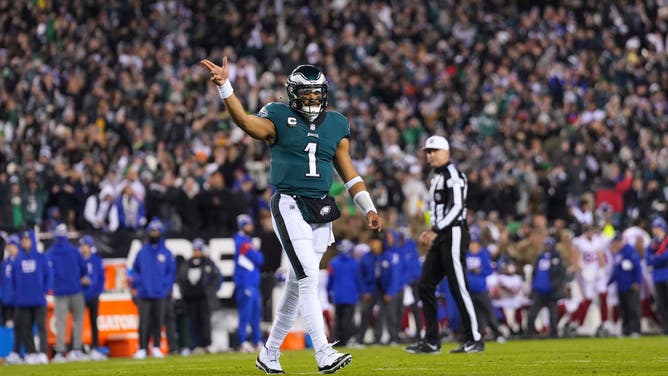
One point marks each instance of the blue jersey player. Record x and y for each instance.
(307, 143)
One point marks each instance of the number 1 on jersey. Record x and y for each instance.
(311, 148)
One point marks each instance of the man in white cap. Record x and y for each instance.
(447, 240)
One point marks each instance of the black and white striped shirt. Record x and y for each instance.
(447, 195)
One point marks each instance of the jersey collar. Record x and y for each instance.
(317, 121)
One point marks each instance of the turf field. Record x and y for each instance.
(610, 356)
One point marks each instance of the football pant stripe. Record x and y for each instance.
(284, 237)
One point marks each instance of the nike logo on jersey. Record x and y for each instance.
(309, 134)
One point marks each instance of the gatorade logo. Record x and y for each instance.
(117, 322)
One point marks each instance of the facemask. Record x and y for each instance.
(153, 239)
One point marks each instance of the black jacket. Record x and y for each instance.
(198, 278)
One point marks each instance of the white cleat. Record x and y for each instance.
(140, 354)
(58, 358)
(157, 353)
(329, 360)
(267, 361)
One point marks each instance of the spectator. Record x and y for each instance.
(657, 259)
(99, 210)
(344, 287)
(389, 281)
(549, 273)
(188, 207)
(413, 267)
(216, 204)
(153, 274)
(32, 279)
(92, 291)
(7, 309)
(368, 262)
(198, 278)
(247, 263)
(69, 274)
(627, 275)
(34, 200)
(130, 210)
(478, 268)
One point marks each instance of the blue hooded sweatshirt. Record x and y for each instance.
(247, 262)
(153, 271)
(68, 267)
(345, 279)
(31, 278)
(95, 272)
(626, 271)
(657, 258)
(391, 278)
(411, 261)
(369, 273)
(481, 264)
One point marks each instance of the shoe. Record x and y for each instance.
(59, 358)
(31, 359)
(140, 354)
(423, 347)
(501, 339)
(569, 331)
(76, 356)
(42, 358)
(185, 352)
(199, 351)
(267, 361)
(13, 359)
(96, 355)
(602, 331)
(329, 360)
(246, 347)
(635, 335)
(156, 353)
(469, 347)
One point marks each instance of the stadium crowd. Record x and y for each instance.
(557, 114)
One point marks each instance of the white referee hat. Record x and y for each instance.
(436, 142)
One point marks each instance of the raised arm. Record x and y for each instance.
(355, 185)
(256, 127)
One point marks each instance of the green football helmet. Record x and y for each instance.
(304, 80)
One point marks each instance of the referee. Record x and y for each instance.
(448, 241)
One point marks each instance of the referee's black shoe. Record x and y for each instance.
(423, 347)
(469, 347)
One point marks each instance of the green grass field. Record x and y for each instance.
(610, 356)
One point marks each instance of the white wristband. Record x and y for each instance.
(363, 202)
(353, 181)
(225, 90)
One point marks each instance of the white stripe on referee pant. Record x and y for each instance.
(459, 274)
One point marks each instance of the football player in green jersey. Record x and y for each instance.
(307, 143)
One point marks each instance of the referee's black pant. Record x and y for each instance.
(446, 257)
